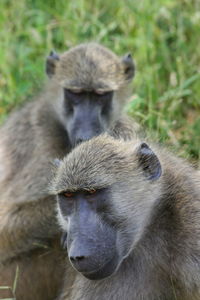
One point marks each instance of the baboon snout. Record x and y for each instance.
(92, 259)
(94, 266)
(81, 258)
(76, 258)
(82, 139)
(85, 137)
(80, 262)
(85, 134)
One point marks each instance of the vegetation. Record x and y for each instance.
(163, 36)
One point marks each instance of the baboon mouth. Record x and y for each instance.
(106, 270)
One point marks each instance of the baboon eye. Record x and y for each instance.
(99, 92)
(74, 91)
(91, 192)
(68, 194)
(102, 93)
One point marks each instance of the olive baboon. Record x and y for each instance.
(88, 87)
(131, 214)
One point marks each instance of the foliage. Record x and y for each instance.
(163, 36)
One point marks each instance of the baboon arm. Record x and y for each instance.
(26, 226)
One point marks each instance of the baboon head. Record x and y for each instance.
(93, 83)
(105, 189)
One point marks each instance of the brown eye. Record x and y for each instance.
(91, 192)
(68, 194)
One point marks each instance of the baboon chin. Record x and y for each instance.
(130, 216)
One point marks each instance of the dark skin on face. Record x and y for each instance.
(89, 229)
(98, 237)
(88, 113)
(89, 74)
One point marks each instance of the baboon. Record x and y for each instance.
(130, 214)
(87, 89)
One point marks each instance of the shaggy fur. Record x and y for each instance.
(29, 141)
(161, 216)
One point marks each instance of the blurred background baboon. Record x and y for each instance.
(85, 96)
(131, 218)
(163, 36)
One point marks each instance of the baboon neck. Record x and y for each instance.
(174, 228)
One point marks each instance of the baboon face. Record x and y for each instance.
(88, 113)
(106, 190)
(91, 238)
(91, 79)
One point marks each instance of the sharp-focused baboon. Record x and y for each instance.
(87, 89)
(132, 221)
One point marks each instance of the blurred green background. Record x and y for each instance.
(162, 35)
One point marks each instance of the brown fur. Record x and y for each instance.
(163, 216)
(28, 269)
(101, 69)
(29, 141)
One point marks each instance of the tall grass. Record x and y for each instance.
(163, 35)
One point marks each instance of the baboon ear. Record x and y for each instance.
(149, 162)
(129, 66)
(56, 162)
(51, 62)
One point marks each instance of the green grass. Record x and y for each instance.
(163, 35)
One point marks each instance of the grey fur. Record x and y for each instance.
(29, 141)
(161, 215)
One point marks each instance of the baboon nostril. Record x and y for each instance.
(76, 258)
